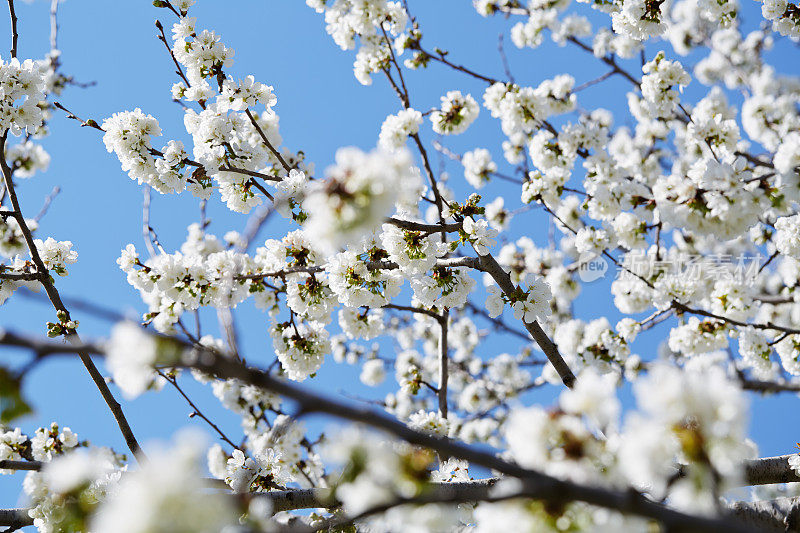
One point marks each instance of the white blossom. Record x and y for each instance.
(456, 113)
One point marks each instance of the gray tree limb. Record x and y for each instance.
(15, 518)
(769, 470)
(782, 514)
(536, 485)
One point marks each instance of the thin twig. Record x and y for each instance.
(608, 60)
(418, 310)
(197, 412)
(178, 68)
(268, 144)
(254, 225)
(443, 363)
(77, 304)
(14, 33)
(47, 201)
(506, 67)
(594, 81)
(147, 234)
(54, 25)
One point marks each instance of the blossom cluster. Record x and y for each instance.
(23, 86)
(391, 264)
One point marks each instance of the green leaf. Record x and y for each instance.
(160, 3)
(12, 405)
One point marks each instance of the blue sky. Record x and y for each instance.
(322, 107)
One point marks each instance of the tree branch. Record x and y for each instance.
(20, 465)
(14, 33)
(419, 226)
(769, 470)
(15, 518)
(452, 262)
(501, 277)
(536, 485)
(45, 347)
(55, 299)
(196, 410)
(782, 514)
(443, 363)
(268, 144)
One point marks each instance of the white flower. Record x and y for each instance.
(629, 230)
(591, 240)
(639, 19)
(658, 85)
(456, 113)
(699, 415)
(74, 469)
(530, 33)
(478, 166)
(787, 238)
(784, 21)
(373, 372)
(494, 301)
(628, 329)
(243, 95)
(217, 461)
(240, 471)
(347, 20)
(789, 351)
(356, 285)
(480, 235)
(131, 355)
(521, 110)
(397, 128)
(756, 350)
(498, 216)
(301, 349)
(446, 287)
(413, 251)
(11, 444)
(364, 325)
(184, 5)
(56, 254)
(310, 297)
(166, 494)
(22, 86)
(289, 190)
(200, 52)
(128, 135)
(429, 422)
(697, 337)
(536, 304)
(128, 258)
(27, 158)
(594, 395)
(360, 192)
(50, 442)
(794, 463)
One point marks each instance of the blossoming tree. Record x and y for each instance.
(692, 201)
